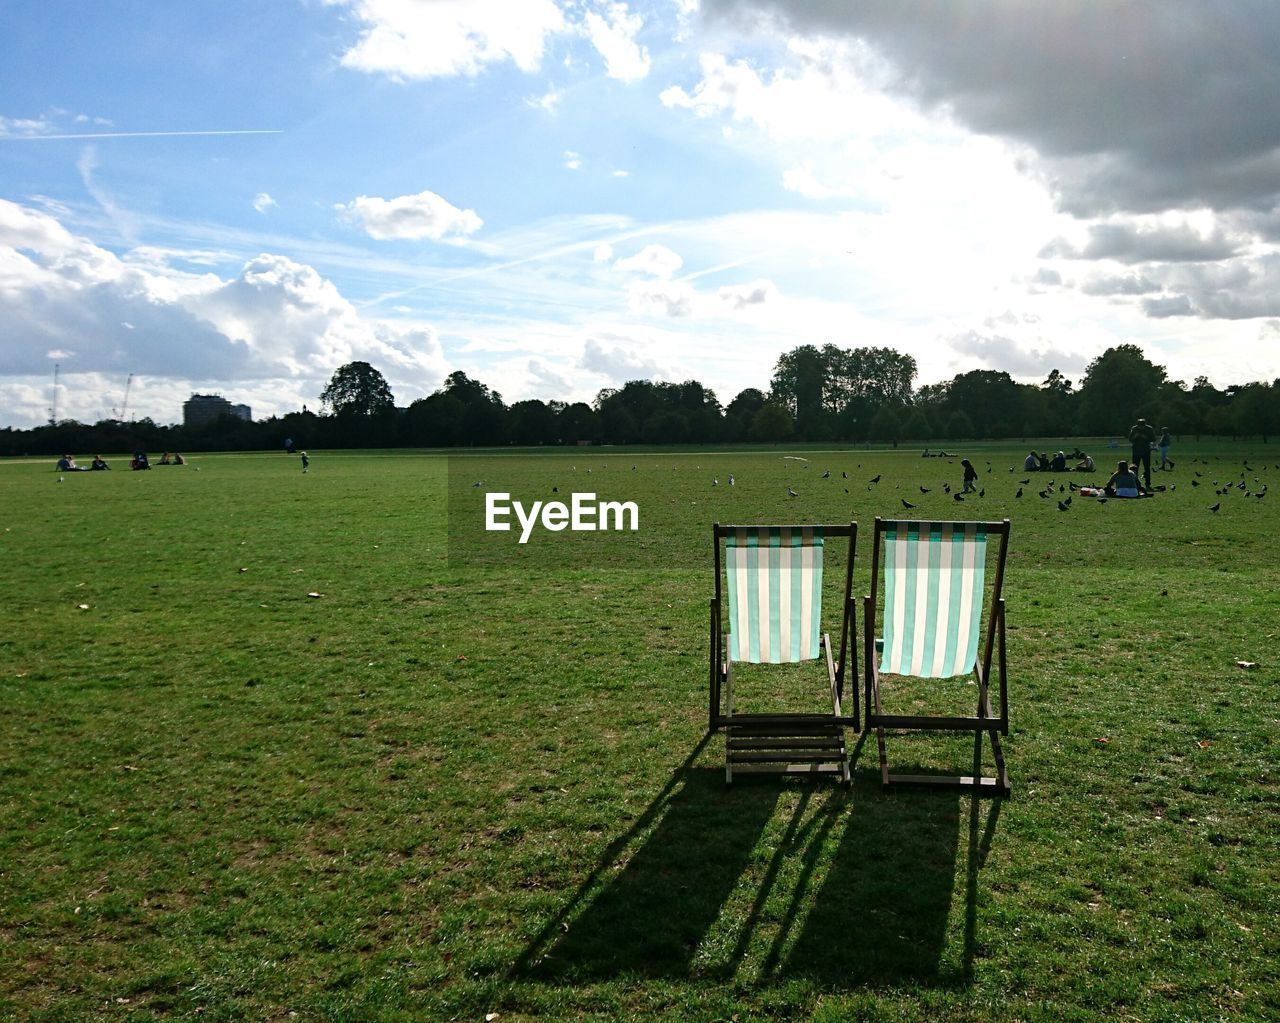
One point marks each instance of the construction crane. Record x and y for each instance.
(53, 410)
(124, 405)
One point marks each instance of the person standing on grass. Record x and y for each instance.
(306, 462)
(970, 476)
(1142, 438)
(1163, 444)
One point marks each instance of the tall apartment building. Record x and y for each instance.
(202, 409)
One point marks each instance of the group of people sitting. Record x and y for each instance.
(67, 463)
(140, 461)
(1041, 462)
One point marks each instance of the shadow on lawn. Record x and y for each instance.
(873, 913)
(880, 915)
(649, 917)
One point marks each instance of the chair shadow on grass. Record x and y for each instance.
(646, 915)
(873, 913)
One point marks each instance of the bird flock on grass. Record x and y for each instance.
(1248, 484)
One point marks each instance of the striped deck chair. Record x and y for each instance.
(934, 584)
(773, 577)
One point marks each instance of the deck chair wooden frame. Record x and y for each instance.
(932, 631)
(773, 614)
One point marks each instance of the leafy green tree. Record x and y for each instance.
(483, 419)
(666, 426)
(740, 412)
(1256, 410)
(1050, 408)
(960, 426)
(989, 400)
(771, 423)
(531, 422)
(357, 389)
(836, 390)
(916, 426)
(434, 421)
(799, 381)
(1119, 385)
(579, 422)
(886, 425)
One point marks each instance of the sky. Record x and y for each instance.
(558, 196)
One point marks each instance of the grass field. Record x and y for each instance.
(268, 752)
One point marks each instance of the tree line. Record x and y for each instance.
(820, 394)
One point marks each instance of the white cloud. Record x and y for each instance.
(613, 34)
(24, 127)
(549, 101)
(414, 39)
(616, 358)
(666, 298)
(425, 215)
(263, 202)
(825, 90)
(742, 295)
(62, 297)
(654, 260)
(124, 222)
(549, 380)
(1024, 359)
(572, 160)
(802, 180)
(603, 253)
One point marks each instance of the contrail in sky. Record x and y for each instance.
(137, 134)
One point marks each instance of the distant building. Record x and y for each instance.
(203, 409)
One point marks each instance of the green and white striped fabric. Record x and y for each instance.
(933, 578)
(774, 575)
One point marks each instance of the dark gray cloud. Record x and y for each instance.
(1128, 242)
(1239, 290)
(1167, 305)
(1135, 105)
(1122, 284)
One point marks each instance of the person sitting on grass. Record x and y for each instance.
(1125, 482)
(178, 459)
(97, 465)
(1031, 463)
(1059, 463)
(1085, 464)
(970, 477)
(164, 459)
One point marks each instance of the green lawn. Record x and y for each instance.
(453, 786)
